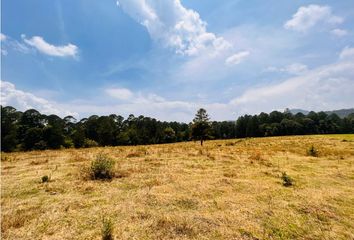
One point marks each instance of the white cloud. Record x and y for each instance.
(175, 26)
(324, 88)
(17, 46)
(2, 37)
(339, 32)
(41, 45)
(309, 16)
(10, 96)
(347, 53)
(237, 58)
(119, 93)
(127, 96)
(265, 44)
(294, 69)
(152, 105)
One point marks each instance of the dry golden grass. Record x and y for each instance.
(225, 190)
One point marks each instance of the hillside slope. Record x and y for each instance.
(342, 113)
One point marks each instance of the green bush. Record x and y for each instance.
(312, 151)
(90, 143)
(107, 229)
(287, 180)
(45, 178)
(102, 167)
(68, 143)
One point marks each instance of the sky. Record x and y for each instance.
(168, 58)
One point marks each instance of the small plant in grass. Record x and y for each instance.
(107, 229)
(90, 143)
(102, 167)
(45, 179)
(312, 151)
(287, 180)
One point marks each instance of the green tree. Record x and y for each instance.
(106, 131)
(78, 137)
(30, 119)
(276, 117)
(91, 127)
(33, 139)
(290, 127)
(9, 127)
(241, 125)
(201, 126)
(69, 125)
(170, 134)
(53, 137)
(252, 128)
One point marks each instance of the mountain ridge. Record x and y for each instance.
(340, 112)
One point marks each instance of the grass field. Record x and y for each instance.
(224, 190)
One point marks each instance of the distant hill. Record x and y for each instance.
(341, 112)
(294, 111)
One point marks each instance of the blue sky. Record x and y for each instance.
(167, 58)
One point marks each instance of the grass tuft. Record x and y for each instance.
(312, 151)
(102, 168)
(107, 229)
(287, 180)
(45, 179)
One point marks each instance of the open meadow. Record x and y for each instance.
(227, 189)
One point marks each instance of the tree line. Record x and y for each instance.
(31, 130)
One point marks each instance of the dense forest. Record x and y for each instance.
(31, 130)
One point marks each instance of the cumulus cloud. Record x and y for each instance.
(237, 58)
(308, 17)
(339, 32)
(294, 69)
(347, 53)
(153, 105)
(324, 88)
(119, 93)
(2, 37)
(138, 103)
(10, 96)
(42, 46)
(175, 26)
(126, 95)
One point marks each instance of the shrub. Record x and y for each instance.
(68, 143)
(107, 229)
(90, 143)
(45, 178)
(312, 151)
(287, 180)
(102, 167)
